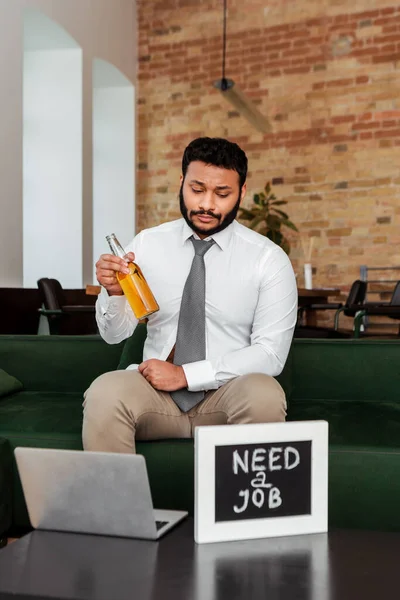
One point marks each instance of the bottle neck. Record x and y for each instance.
(115, 246)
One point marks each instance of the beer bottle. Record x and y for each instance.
(134, 285)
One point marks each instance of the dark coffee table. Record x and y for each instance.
(341, 565)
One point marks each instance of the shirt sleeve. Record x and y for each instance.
(114, 316)
(272, 332)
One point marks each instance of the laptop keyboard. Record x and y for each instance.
(160, 524)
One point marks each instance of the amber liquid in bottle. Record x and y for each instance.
(134, 285)
(137, 292)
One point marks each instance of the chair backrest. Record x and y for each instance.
(357, 293)
(51, 293)
(395, 299)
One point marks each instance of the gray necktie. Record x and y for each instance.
(191, 336)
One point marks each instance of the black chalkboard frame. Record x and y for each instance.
(213, 524)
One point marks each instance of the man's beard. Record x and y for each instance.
(226, 221)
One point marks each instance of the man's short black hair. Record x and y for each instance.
(218, 152)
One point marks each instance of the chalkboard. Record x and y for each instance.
(260, 480)
(254, 481)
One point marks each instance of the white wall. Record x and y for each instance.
(103, 29)
(113, 157)
(52, 167)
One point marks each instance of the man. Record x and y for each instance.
(228, 307)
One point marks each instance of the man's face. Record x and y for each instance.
(209, 197)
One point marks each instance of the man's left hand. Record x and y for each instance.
(162, 375)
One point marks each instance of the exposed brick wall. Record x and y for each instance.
(326, 73)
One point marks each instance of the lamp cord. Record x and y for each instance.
(224, 46)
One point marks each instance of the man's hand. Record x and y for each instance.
(162, 375)
(107, 268)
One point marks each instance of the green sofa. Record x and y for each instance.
(353, 384)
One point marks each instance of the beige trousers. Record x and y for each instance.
(122, 406)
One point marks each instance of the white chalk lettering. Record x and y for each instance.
(278, 458)
(295, 457)
(259, 462)
(260, 481)
(274, 455)
(274, 498)
(238, 462)
(258, 456)
(258, 498)
(245, 494)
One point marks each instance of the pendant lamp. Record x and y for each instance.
(235, 96)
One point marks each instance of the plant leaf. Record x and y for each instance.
(246, 214)
(256, 221)
(273, 222)
(280, 212)
(267, 219)
(289, 224)
(275, 236)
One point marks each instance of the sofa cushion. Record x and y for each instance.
(348, 370)
(364, 488)
(133, 348)
(352, 422)
(8, 384)
(286, 377)
(59, 363)
(48, 416)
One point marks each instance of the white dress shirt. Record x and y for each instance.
(251, 302)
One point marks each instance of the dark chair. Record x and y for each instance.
(64, 319)
(384, 309)
(354, 299)
(353, 302)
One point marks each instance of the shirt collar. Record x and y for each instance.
(222, 238)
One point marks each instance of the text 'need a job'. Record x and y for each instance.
(259, 461)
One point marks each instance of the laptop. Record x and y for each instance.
(91, 492)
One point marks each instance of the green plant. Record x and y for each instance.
(266, 218)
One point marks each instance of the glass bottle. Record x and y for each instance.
(134, 285)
